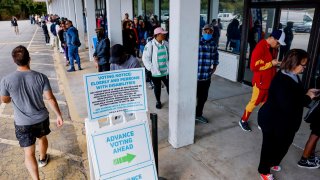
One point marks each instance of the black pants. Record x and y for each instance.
(47, 38)
(202, 95)
(275, 146)
(157, 85)
(104, 67)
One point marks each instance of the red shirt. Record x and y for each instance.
(261, 65)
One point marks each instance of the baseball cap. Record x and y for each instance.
(159, 30)
(207, 26)
(279, 36)
(116, 52)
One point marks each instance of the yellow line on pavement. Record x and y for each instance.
(33, 37)
(42, 64)
(52, 121)
(50, 150)
(15, 42)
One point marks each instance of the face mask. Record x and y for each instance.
(206, 36)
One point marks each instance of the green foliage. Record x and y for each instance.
(20, 8)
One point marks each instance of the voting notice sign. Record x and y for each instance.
(115, 91)
(123, 152)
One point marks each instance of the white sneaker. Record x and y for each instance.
(42, 163)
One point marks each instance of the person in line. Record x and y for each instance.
(101, 53)
(26, 88)
(54, 33)
(120, 59)
(126, 19)
(288, 39)
(309, 159)
(263, 66)
(61, 35)
(280, 117)
(129, 38)
(14, 24)
(235, 35)
(46, 32)
(155, 58)
(73, 44)
(254, 36)
(216, 31)
(208, 60)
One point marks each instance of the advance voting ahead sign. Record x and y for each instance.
(115, 91)
(123, 152)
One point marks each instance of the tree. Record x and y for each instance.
(20, 8)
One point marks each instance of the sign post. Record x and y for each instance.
(119, 147)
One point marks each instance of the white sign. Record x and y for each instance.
(123, 151)
(115, 91)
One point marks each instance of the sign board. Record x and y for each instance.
(123, 151)
(94, 42)
(115, 91)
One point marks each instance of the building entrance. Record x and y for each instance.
(296, 23)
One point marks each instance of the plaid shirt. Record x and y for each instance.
(208, 56)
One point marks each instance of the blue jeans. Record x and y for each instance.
(73, 55)
(236, 49)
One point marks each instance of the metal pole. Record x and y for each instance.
(154, 131)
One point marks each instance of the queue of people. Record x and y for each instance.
(280, 93)
(62, 35)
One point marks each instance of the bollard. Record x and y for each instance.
(154, 131)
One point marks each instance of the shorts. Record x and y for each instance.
(315, 127)
(27, 134)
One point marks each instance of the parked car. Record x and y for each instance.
(164, 17)
(227, 16)
(306, 27)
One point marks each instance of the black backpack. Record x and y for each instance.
(53, 29)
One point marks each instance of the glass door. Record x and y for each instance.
(297, 24)
(260, 27)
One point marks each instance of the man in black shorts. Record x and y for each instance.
(309, 159)
(26, 88)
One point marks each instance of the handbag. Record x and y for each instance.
(312, 112)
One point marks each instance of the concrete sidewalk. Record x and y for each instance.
(221, 149)
(66, 157)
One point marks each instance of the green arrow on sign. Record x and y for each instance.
(127, 158)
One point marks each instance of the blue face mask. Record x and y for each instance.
(206, 36)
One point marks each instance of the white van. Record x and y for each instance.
(226, 16)
(295, 16)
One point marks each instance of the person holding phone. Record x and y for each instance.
(280, 117)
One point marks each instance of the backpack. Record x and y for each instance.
(53, 29)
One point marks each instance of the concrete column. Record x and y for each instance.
(72, 12)
(139, 7)
(80, 24)
(114, 17)
(214, 9)
(62, 9)
(126, 7)
(183, 58)
(91, 25)
(66, 8)
(156, 6)
(47, 5)
(60, 12)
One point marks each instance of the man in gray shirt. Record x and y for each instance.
(26, 88)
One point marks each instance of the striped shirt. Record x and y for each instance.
(162, 61)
